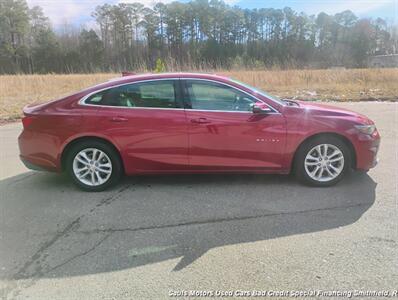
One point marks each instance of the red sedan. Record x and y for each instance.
(192, 123)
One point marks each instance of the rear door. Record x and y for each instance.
(147, 121)
(224, 133)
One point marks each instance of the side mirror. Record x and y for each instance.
(261, 108)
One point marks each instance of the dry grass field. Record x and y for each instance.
(327, 85)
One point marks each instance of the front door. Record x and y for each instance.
(224, 133)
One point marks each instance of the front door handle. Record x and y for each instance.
(200, 121)
(118, 119)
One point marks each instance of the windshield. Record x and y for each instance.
(261, 92)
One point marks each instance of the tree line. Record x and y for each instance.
(199, 34)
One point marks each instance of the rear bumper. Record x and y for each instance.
(34, 166)
(37, 151)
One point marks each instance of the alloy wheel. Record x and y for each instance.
(324, 162)
(92, 167)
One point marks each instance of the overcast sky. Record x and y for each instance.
(78, 12)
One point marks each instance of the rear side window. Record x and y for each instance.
(157, 94)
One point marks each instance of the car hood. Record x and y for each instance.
(321, 109)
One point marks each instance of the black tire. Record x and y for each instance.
(108, 150)
(299, 163)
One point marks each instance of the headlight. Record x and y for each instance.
(366, 129)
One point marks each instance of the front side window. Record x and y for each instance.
(157, 94)
(204, 95)
(261, 92)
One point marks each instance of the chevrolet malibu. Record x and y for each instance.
(192, 123)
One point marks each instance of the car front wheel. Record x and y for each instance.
(93, 165)
(323, 161)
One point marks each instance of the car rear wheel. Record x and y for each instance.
(93, 165)
(322, 161)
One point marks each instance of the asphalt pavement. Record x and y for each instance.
(161, 237)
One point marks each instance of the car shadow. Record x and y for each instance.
(51, 229)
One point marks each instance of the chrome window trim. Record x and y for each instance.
(84, 98)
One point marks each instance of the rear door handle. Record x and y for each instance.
(118, 119)
(200, 121)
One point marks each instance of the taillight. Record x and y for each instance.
(27, 121)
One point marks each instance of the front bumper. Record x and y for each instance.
(367, 148)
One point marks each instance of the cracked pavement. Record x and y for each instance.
(151, 235)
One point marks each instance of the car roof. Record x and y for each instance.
(154, 76)
(145, 76)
